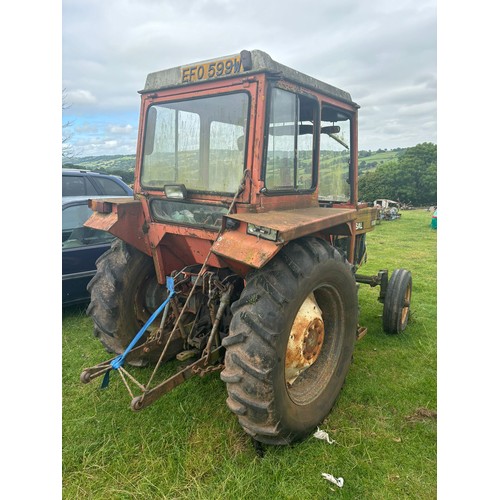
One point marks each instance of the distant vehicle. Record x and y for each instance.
(387, 209)
(383, 203)
(81, 247)
(86, 183)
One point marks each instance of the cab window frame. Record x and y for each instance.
(316, 117)
(205, 128)
(351, 174)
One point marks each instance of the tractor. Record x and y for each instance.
(239, 251)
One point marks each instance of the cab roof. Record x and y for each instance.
(254, 61)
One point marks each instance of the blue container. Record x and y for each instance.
(434, 220)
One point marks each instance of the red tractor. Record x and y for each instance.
(240, 249)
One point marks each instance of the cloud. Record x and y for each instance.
(383, 53)
(80, 97)
(119, 129)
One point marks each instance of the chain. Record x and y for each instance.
(198, 370)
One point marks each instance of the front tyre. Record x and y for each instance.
(291, 342)
(397, 301)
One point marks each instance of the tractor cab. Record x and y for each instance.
(243, 131)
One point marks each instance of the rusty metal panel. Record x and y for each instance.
(293, 224)
(366, 220)
(123, 218)
(244, 248)
(102, 221)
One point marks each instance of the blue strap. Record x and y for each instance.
(119, 360)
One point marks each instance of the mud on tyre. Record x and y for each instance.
(123, 295)
(277, 399)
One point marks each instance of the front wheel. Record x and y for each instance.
(291, 342)
(397, 301)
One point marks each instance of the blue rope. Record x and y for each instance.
(119, 360)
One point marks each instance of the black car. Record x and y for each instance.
(87, 183)
(81, 247)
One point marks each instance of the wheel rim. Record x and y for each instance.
(305, 339)
(313, 348)
(405, 311)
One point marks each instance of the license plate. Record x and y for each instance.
(211, 69)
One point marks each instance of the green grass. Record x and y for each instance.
(189, 445)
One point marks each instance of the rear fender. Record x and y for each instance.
(123, 219)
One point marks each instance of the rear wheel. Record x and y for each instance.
(291, 341)
(124, 293)
(397, 301)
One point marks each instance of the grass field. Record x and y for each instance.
(189, 445)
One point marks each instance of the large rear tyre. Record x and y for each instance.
(397, 302)
(123, 294)
(291, 342)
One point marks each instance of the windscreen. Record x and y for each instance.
(198, 142)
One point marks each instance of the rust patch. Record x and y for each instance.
(244, 248)
(305, 340)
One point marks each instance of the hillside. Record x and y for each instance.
(118, 164)
(108, 163)
(369, 160)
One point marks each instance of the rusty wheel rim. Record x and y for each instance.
(312, 356)
(406, 305)
(305, 339)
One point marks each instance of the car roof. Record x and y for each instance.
(87, 172)
(67, 200)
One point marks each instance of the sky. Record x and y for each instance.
(382, 52)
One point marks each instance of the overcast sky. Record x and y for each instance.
(382, 52)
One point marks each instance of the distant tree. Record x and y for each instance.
(377, 183)
(411, 177)
(67, 148)
(126, 175)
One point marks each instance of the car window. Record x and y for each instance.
(110, 187)
(74, 234)
(75, 185)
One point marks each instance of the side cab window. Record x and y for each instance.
(290, 156)
(335, 155)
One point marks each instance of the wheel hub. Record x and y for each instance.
(305, 340)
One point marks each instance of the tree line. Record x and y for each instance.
(411, 178)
